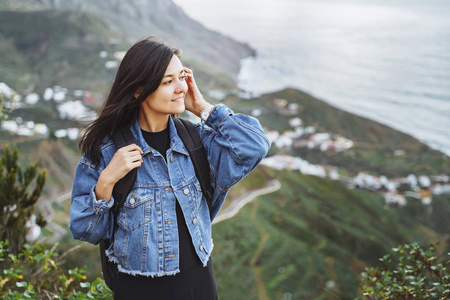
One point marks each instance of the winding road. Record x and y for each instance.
(235, 206)
(45, 205)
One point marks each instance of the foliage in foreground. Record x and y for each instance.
(417, 274)
(19, 192)
(35, 274)
(6, 106)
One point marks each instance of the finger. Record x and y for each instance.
(135, 157)
(137, 164)
(190, 78)
(139, 160)
(132, 165)
(132, 147)
(134, 154)
(136, 147)
(125, 156)
(187, 70)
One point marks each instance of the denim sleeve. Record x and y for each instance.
(90, 218)
(235, 144)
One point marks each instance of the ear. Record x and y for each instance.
(138, 92)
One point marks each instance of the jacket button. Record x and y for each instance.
(172, 158)
(194, 222)
(201, 247)
(186, 191)
(132, 201)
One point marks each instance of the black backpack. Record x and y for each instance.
(121, 138)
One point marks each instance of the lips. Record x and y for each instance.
(179, 99)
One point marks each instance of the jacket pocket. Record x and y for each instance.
(137, 209)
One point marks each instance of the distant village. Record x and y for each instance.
(71, 105)
(395, 190)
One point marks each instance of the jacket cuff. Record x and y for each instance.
(101, 206)
(218, 115)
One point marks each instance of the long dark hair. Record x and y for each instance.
(143, 67)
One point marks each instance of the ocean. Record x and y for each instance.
(385, 60)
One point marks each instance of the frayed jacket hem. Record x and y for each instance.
(148, 274)
(112, 258)
(209, 254)
(206, 260)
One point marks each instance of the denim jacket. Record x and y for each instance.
(146, 238)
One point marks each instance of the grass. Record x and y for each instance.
(315, 230)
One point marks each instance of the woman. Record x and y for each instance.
(162, 244)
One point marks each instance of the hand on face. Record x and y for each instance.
(193, 99)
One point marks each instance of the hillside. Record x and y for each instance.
(313, 238)
(59, 48)
(135, 19)
(63, 47)
(375, 146)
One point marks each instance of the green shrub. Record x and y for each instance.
(35, 273)
(413, 273)
(19, 192)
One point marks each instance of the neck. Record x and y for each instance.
(152, 123)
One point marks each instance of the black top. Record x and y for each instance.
(194, 281)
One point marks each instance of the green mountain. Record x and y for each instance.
(163, 18)
(58, 47)
(214, 55)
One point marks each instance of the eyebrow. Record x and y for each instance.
(171, 75)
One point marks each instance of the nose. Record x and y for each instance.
(181, 87)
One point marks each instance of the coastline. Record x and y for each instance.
(377, 147)
(244, 94)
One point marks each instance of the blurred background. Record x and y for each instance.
(385, 60)
(354, 95)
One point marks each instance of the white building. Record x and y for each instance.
(34, 230)
(32, 98)
(48, 94)
(285, 162)
(394, 198)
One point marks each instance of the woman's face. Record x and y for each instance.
(169, 96)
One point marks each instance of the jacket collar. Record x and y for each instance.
(176, 144)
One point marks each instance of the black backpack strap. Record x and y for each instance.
(122, 188)
(192, 141)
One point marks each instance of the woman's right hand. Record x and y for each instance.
(124, 160)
